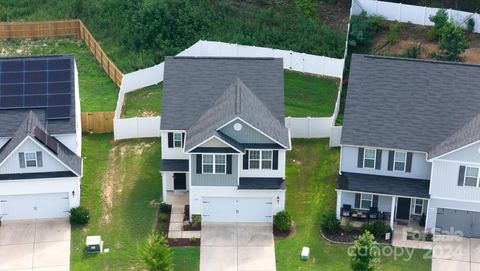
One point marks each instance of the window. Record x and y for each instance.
(260, 159)
(400, 161)
(369, 158)
(366, 201)
(214, 164)
(177, 140)
(471, 176)
(31, 159)
(418, 208)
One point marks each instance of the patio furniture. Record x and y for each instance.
(346, 210)
(386, 216)
(373, 213)
(362, 214)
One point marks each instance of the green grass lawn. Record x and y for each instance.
(305, 95)
(121, 180)
(311, 172)
(97, 91)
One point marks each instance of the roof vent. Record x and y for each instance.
(237, 126)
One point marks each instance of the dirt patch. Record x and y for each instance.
(148, 114)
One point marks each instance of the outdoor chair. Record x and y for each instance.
(347, 210)
(373, 213)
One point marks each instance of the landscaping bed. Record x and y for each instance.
(163, 220)
(195, 225)
(184, 242)
(347, 237)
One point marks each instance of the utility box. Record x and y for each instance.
(94, 244)
(305, 253)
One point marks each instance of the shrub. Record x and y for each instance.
(193, 239)
(79, 215)
(364, 254)
(378, 229)
(392, 36)
(162, 217)
(470, 25)
(282, 221)
(330, 224)
(412, 51)
(196, 221)
(156, 255)
(362, 29)
(440, 19)
(164, 207)
(452, 42)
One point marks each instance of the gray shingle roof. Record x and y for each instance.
(192, 85)
(174, 165)
(27, 128)
(410, 104)
(261, 183)
(383, 185)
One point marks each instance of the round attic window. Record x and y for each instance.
(237, 126)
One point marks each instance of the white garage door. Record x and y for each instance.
(451, 221)
(34, 206)
(217, 209)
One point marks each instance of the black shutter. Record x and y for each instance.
(378, 158)
(408, 167)
(170, 140)
(461, 176)
(39, 159)
(199, 164)
(229, 164)
(357, 200)
(275, 159)
(183, 140)
(245, 160)
(375, 201)
(391, 155)
(360, 157)
(21, 158)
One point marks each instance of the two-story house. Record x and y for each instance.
(410, 142)
(224, 139)
(40, 137)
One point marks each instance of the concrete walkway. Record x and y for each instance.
(452, 253)
(237, 247)
(35, 245)
(175, 229)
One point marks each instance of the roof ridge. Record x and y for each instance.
(432, 61)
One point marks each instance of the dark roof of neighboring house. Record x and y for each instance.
(19, 93)
(418, 105)
(28, 128)
(357, 182)
(193, 86)
(37, 175)
(174, 165)
(262, 183)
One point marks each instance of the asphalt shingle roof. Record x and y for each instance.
(417, 105)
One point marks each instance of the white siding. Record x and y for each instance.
(3, 140)
(384, 202)
(50, 163)
(214, 143)
(280, 172)
(169, 180)
(444, 182)
(469, 154)
(70, 141)
(171, 153)
(420, 166)
(435, 203)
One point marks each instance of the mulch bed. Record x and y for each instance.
(184, 242)
(160, 224)
(186, 222)
(347, 237)
(278, 235)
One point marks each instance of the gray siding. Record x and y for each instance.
(246, 135)
(468, 154)
(215, 179)
(420, 167)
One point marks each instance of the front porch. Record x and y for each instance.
(177, 198)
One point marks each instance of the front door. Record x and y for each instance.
(179, 181)
(403, 208)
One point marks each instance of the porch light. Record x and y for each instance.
(73, 194)
(278, 199)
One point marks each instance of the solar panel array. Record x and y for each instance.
(29, 83)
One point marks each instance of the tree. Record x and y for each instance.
(364, 253)
(440, 19)
(452, 42)
(156, 254)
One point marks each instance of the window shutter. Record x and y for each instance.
(39, 159)
(245, 160)
(375, 201)
(183, 140)
(461, 176)
(391, 155)
(360, 157)
(357, 200)
(170, 140)
(408, 167)
(199, 164)
(229, 164)
(378, 162)
(21, 158)
(275, 159)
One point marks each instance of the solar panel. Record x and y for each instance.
(12, 66)
(58, 112)
(36, 65)
(59, 64)
(12, 77)
(59, 99)
(60, 75)
(35, 101)
(11, 90)
(31, 77)
(60, 87)
(11, 101)
(35, 88)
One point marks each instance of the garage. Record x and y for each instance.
(34, 206)
(452, 221)
(221, 209)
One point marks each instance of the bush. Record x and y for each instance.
(362, 29)
(193, 239)
(330, 224)
(364, 254)
(378, 229)
(412, 51)
(164, 207)
(282, 221)
(470, 25)
(156, 254)
(440, 19)
(452, 42)
(392, 36)
(196, 221)
(79, 215)
(162, 217)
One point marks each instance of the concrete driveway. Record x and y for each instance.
(237, 247)
(451, 253)
(35, 245)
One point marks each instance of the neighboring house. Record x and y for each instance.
(224, 139)
(410, 143)
(40, 137)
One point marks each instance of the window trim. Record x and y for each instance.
(177, 140)
(260, 159)
(361, 200)
(465, 176)
(374, 157)
(404, 162)
(415, 206)
(214, 163)
(35, 159)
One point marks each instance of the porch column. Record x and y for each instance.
(392, 211)
(339, 203)
(164, 188)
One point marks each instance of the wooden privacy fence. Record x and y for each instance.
(97, 122)
(65, 28)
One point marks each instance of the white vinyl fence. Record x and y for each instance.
(309, 127)
(409, 13)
